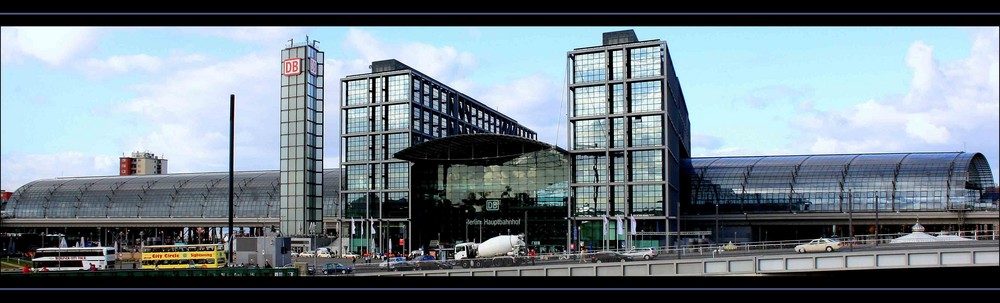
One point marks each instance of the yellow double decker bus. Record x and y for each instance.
(183, 256)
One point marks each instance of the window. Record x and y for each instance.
(589, 101)
(589, 134)
(357, 92)
(357, 120)
(647, 130)
(645, 62)
(357, 148)
(399, 88)
(647, 165)
(646, 96)
(589, 67)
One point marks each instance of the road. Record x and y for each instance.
(360, 268)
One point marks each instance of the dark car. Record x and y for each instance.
(607, 256)
(337, 268)
(431, 265)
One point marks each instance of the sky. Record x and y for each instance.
(74, 99)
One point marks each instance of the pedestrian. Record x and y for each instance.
(531, 254)
(26, 269)
(267, 264)
(354, 260)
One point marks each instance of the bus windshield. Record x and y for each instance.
(183, 256)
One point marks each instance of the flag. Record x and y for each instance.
(352, 226)
(372, 224)
(605, 226)
(621, 229)
(633, 225)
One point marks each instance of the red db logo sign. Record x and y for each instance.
(291, 67)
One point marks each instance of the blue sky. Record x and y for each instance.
(75, 99)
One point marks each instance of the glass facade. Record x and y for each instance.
(159, 198)
(841, 183)
(382, 113)
(476, 198)
(301, 141)
(625, 105)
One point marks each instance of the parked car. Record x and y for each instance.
(818, 245)
(306, 254)
(337, 268)
(642, 253)
(350, 255)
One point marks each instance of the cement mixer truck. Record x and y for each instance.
(504, 250)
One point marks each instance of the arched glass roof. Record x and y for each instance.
(862, 182)
(473, 147)
(194, 195)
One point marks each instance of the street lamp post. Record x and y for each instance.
(850, 216)
(716, 222)
(876, 218)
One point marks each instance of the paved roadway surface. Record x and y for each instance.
(361, 268)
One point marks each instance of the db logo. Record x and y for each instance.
(493, 205)
(291, 67)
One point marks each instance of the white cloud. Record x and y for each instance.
(445, 64)
(272, 36)
(53, 45)
(706, 141)
(951, 106)
(21, 169)
(96, 68)
(530, 100)
(765, 96)
(188, 115)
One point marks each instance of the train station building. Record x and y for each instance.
(422, 163)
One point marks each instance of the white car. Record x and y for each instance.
(350, 255)
(642, 253)
(324, 254)
(818, 245)
(306, 254)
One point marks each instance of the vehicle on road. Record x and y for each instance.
(324, 252)
(350, 255)
(819, 245)
(183, 256)
(503, 250)
(642, 253)
(337, 268)
(607, 256)
(431, 265)
(396, 264)
(74, 258)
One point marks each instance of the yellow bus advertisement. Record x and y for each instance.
(183, 256)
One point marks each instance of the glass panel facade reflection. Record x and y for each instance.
(841, 183)
(159, 197)
(627, 115)
(458, 201)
